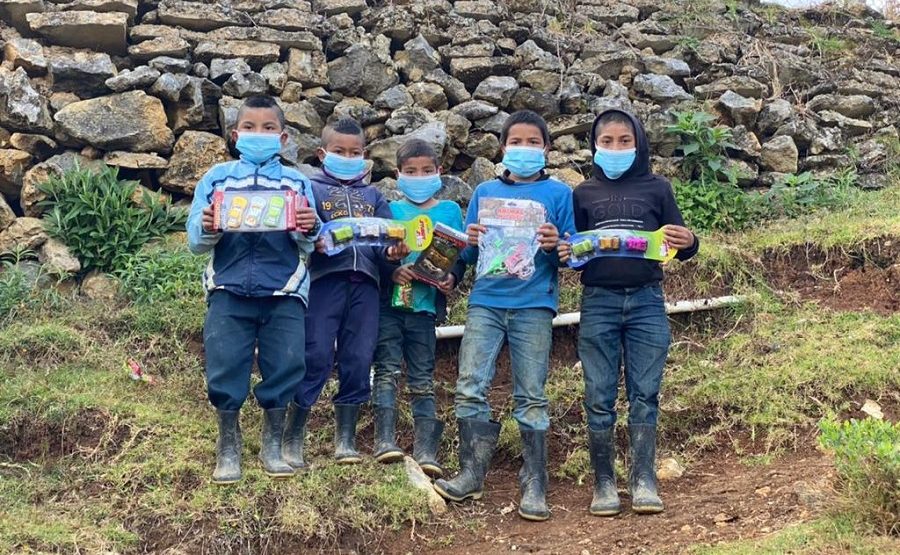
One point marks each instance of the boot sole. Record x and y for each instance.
(443, 493)
(226, 482)
(389, 457)
(607, 512)
(278, 474)
(432, 471)
(534, 518)
(349, 460)
(648, 510)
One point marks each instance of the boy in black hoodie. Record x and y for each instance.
(622, 308)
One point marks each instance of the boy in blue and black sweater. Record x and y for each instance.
(257, 290)
(343, 297)
(517, 310)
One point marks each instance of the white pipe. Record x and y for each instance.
(574, 318)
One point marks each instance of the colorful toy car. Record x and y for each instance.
(396, 232)
(609, 243)
(236, 212)
(636, 244)
(254, 214)
(583, 247)
(273, 213)
(342, 234)
(369, 231)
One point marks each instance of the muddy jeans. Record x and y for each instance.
(405, 336)
(617, 323)
(529, 332)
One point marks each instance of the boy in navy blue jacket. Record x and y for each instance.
(343, 304)
(623, 313)
(257, 286)
(514, 309)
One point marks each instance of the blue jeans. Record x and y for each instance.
(628, 323)
(529, 332)
(234, 326)
(405, 336)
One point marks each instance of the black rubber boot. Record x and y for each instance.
(426, 443)
(345, 417)
(644, 497)
(386, 450)
(533, 476)
(294, 436)
(603, 459)
(270, 444)
(228, 448)
(477, 440)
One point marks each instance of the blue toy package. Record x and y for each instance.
(508, 247)
(376, 232)
(629, 243)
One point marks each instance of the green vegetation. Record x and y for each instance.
(162, 272)
(103, 220)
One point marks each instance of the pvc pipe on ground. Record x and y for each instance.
(574, 318)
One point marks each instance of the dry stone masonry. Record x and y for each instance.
(153, 86)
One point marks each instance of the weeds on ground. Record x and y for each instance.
(162, 272)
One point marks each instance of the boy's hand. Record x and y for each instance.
(473, 231)
(306, 218)
(447, 285)
(564, 250)
(678, 237)
(548, 237)
(398, 252)
(320, 245)
(209, 224)
(403, 275)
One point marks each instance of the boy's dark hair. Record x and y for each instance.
(614, 116)
(526, 117)
(263, 101)
(416, 148)
(343, 125)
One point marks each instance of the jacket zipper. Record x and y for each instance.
(252, 243)
(350, 211)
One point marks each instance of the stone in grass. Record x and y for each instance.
(420, 481)
(780, 154)
(23, 233)
(98, 286)
(57, 258)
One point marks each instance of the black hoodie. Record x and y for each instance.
(637, 200)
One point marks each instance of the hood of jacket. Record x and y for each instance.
(641, 166)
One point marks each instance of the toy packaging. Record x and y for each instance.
(629, 243)
(402, 298)
(435, 262)
(507, 248)
(376, 232)
(238, 210)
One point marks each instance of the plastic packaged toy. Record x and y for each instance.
(402, 297)
(376, 232)
(241, 210)
(435, 262)
(507, 248)
(649, 245)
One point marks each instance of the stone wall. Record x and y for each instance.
(153, 86)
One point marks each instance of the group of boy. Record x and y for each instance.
(305, 312)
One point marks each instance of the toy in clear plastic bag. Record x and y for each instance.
(508, 247)
(402, 297)
(376, 232)
(628, 243)
(435, 262)
(243, 210)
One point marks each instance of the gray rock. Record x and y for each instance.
(455, 189)
(475, 110)
(256, 54)
(824, 140)
(57, 258)
(742, 111)
(127, 121)
(457, 127)
(27, 54)
(194, 153)
(540, 80)
(221, 70)
(430, 96)
(780, 154)
(301, 40)
(7, 216)
(333, 7)
(39, 146)
(480, 10)
(746, 172)
(135, 160)
(289, 19)
(361, 111)
(303, 116)
(13, 165)
(384, 151)
(21, 106)
(640, 36)
(417, 59)
(198, 16)
(23, 233)
(139, 78)
(167, 64)
(472, 71)
(128, 7)
(577, 124)
(82, 29)
(98, 286)
(482, 145)
(309, 68)
(615, 14)
(547, 105)
(742, 85)
(175, 47)
(244, 85)
(361, 72)
(660, 88)
(774, 115)
(667, 66)
(856, 106)
(873, 181)
(825, 161)
(661, 141)
(407, 119)
(80, 71)
(169, 86)
(480, 171)
(394, 98)
(531, 56)
(16, 11)
(850, 126)
(31, 196)
(497, 90)
(195, 107)
(275, 75)
(745, 143)
(454, 89)
(874, 155)
(493, 124)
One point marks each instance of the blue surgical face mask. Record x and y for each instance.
(524, 161)
(615, 163)
(419, 188)
(343, 168)
(258, 147)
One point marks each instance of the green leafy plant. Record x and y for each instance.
(161, 273)
(102, 219)
(804, 193)
(867, 457)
